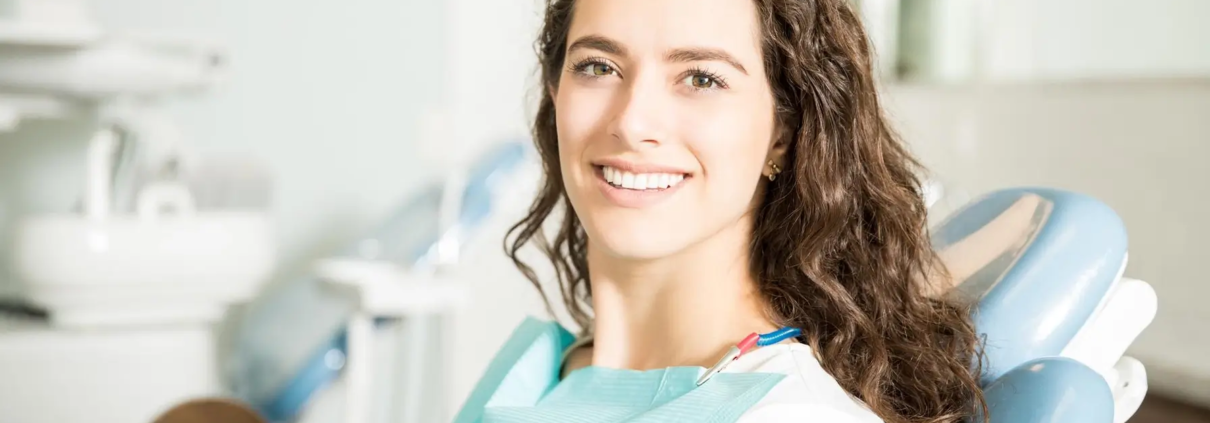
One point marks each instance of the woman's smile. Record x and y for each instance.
(635, 185)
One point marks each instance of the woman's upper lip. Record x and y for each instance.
(637, 167)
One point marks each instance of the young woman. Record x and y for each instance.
(723, 167)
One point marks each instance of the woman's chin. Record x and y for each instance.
(637, 247)
(637, 235)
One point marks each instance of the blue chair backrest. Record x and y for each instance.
(1037, 262)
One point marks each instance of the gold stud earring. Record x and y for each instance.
(774, 171)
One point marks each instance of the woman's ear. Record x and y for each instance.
(777, 149)
(777, 154)
(775, 160)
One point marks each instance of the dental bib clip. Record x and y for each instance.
(749, 343)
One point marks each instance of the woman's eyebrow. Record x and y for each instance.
(702, 54)
(694, 54)
(600, 43)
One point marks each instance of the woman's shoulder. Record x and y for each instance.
(806, 391)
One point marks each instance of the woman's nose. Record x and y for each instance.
(641, 113)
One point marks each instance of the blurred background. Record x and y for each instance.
(283, 151)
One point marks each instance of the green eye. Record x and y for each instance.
(600, 69)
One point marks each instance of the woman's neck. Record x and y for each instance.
(685, 310)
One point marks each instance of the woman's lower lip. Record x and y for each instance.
(635, 199)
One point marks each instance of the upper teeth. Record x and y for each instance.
(641, 180)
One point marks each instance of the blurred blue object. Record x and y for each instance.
(1050, 390)
(293, 343)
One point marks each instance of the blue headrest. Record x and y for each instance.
(1048, 390)
(1037, 262)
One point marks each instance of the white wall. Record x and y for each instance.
(1061, 39)
(1121, 38)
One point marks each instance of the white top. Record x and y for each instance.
(807, 393)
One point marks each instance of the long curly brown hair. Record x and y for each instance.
(840, 246)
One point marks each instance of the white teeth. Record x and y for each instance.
(641, 181)
(627, 180)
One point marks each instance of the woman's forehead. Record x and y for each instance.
(651, 27)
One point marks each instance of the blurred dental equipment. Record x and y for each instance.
(51, 22)
(318, 332)
(56, 63)
(55, 59)
(121, 292)
(162, 262)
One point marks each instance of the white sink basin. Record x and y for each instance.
(128, 270)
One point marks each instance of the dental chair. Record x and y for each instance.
(1043, 268)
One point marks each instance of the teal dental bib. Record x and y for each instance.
(522, 385)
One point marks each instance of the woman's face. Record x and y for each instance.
(665, 122)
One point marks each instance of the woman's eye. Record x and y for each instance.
(702, 82)
(600, 69)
